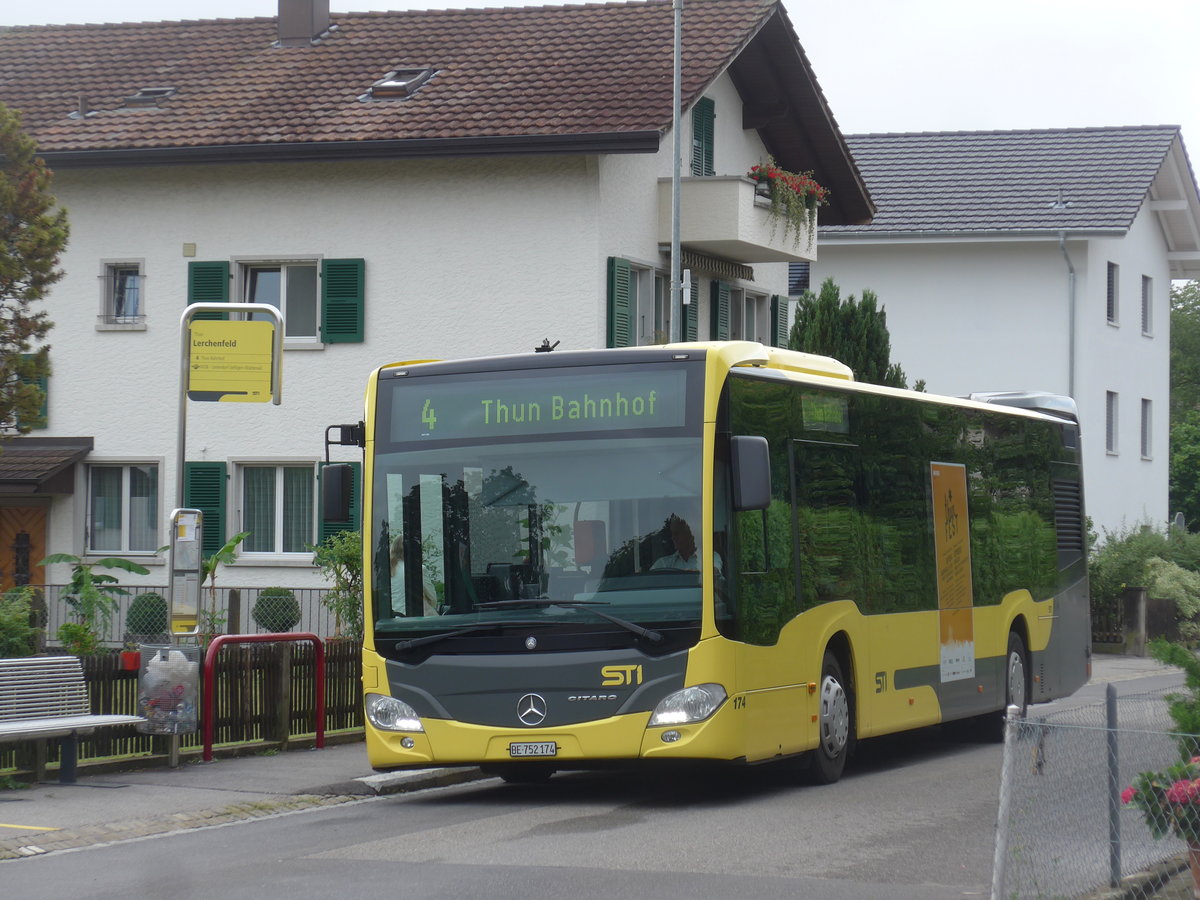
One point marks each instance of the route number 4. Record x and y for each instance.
(428, 416)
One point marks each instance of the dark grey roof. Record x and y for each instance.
(1007, 181)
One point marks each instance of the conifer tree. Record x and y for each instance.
(33, 232)
(851, 331)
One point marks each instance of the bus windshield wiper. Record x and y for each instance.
(413, 643)
(652, 636)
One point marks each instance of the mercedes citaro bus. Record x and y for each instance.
(703, 551)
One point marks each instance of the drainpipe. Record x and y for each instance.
(1062, 245)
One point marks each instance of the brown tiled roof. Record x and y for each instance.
(500, 72)
(507, 80)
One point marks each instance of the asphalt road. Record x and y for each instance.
(914, 817)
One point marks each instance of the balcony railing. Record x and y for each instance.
(723, 216)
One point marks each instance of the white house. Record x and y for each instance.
(1037, 260)
(406, 185)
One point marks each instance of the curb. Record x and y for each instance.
(405, 781)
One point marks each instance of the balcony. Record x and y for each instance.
(722, 216)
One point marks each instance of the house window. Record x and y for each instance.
(651, 299)
(122, 301)
(751, 318)
(278, 508)
(1112, 308)
(1147, 417)
(289, 287)
(1110, 421)
(334, 314)
(123, 509)
(1147, 305)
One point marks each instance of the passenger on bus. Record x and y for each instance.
(428, 594)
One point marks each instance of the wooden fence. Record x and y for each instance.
(264, 699)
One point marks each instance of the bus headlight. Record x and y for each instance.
(390, 714)
(693, 704)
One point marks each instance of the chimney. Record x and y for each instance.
(301, 21)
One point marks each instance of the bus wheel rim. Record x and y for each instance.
(835, 716)
(1016, 680)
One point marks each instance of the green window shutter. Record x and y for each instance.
(208, 282)
(42, 383)
(703, 119)
(327, 529)
(620, 303)
(691, 313)
(779, 321)
(343, 301)
(720, 311)
(204, 489)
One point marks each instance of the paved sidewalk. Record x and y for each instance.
(117, 806)
(122, 805)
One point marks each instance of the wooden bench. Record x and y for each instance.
(46, 697)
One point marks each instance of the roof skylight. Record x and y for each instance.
(149, 96)
(398, 83)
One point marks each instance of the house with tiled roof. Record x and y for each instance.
(1036, 260)
(422, 184)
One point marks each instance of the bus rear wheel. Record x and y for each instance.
(836, 723)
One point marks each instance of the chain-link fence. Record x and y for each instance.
(1064, 831)
(234, 607)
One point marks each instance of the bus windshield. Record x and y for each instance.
(589, 532)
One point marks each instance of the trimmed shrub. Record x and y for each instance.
(147, 616)
(276, 610)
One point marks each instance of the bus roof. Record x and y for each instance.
(1052, 404)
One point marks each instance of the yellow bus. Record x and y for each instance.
(704, 551)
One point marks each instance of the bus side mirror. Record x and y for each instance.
(337, 480)
(751, 462)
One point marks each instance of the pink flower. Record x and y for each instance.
(1183, 792)
(1128, 794)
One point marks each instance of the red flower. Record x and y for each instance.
(1128, 794)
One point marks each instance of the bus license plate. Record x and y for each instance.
(542, 748)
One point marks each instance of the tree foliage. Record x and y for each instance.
(32, 235)
(1185, 402)
(853, 332)
(1185, 349)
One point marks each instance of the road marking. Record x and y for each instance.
(29, 827)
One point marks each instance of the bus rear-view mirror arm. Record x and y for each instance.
(751, 463)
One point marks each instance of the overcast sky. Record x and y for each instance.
(906, 65)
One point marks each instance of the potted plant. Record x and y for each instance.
(794, 196)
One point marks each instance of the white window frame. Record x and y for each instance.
(246, 264)
(108, 320)
(1111, 422)
(1147, 306)
(1112, 294)
(1147, 426)
(749, 315)
(276, 554)
(126, 508)
(650, 300)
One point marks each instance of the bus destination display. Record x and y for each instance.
(551, 403)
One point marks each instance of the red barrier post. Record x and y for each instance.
(210, 657)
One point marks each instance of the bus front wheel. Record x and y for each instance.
(836, 722)
(1016, 689)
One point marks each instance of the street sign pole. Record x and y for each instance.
(236, 373)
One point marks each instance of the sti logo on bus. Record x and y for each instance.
(615, 676)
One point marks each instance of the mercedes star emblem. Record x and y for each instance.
(531, 709)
